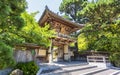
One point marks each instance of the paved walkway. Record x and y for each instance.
(76, 68)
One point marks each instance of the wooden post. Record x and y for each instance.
(104, 60)
(51, 52)
(66, 53)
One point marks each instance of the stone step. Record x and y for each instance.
(63, 64)
(89, 71)
(47, 67)
(67, 70)
(72, 68)
(71, 65)
(95, 71)
(106, 72)
(115, 73)
(77, 69)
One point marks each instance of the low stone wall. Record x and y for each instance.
(5, 71)
(23, 55)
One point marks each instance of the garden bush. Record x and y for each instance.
(6, 56)
(115, 59)
(28, 68)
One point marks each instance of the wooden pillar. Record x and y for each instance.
(51, 52)
(37, 52)
(66, 53)
(36, 55)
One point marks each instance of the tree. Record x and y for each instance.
(6, 57)
(103, 25)
(101, 11)
(10, 22)
(70, 8)
(18, 27)
(33, 33)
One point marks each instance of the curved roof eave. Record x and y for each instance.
(52, 14)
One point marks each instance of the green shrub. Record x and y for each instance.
(115, 59)
(6, 56)
(28, 68)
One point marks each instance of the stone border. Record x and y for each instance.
(5, 71)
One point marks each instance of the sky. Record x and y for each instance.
(39, 5)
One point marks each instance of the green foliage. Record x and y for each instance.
(28, 68)
(70, 8)
(33, 33)
(11, 20)
(10, 14)
(11, 38)
(17, 27)
(103, 28)
(82, 42)
(72, 44)
(102, 11)
(109, 44)
(115, 59)
(6, 56)
(10, 23)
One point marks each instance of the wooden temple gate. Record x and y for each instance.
(58, 49)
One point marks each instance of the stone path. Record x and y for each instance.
(76, 68)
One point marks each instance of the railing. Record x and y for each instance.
(99, 59)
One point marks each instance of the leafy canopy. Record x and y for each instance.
(33, 33)
(17, 27)
(103, 28)
(10, 22)
(102, 11)
(70, 8)
(103, 25)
